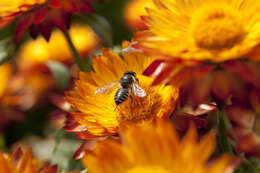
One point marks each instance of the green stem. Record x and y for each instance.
(78, 60)
(249, 164)
(222, 130)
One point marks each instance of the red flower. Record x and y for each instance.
(42, 16)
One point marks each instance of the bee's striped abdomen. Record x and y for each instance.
(121, 95)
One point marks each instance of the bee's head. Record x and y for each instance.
(130, 73)
(133, 74)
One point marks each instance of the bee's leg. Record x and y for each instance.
(131, 104)
(115, 108)
(131, 98)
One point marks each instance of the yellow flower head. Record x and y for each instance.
(39, 51)
(156, 149)
(99, 113)
(202, 30)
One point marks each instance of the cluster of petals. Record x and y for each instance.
(156, 148)
(40, 16)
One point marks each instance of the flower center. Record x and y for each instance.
(140, 108)
(217, 26)
(148, 169)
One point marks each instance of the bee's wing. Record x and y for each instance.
(138, 91)
(106, 88)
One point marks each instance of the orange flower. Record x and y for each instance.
(23, 161)
(8, 111)
(156, 149)
(134, 10)
(23, 89)
(98, 113)
(40, 15)
(201, 30)
(35, 53)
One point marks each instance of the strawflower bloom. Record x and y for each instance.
(23, 161)
(35, 53)
(156, 149)
(98, 114)
(22, 90)
(33, 87)
(40, 15)
(202, 30)
(8, 101)
(133, 12)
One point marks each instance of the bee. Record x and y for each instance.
(127, 84)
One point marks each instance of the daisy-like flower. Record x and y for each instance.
(98, 114)
(134, 10)
(40, 15)
(35, 53)
(23, 161)
(202, 30)
(156, 149)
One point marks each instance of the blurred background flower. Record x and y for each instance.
(134, 11)
(36, 53)
(23, 161)
(41, 16)
(156, 149)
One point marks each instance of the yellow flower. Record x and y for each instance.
(9, 8)
(134, 10)
(5, 74)
(202, 30)
(23, 161)
(39, 51)
(99, 113)
(156, 149)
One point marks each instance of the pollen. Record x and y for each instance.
(217, 26)
(148, 169)
(140, 108)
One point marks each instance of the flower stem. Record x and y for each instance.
(77, 58)
(222, 130)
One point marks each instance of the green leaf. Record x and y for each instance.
(7, 31)
(100, 25)
(58, 135)
(6, 49)
(60, 72)
(257, 170)
(7, 46)
(2, 142)
(63, 155)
